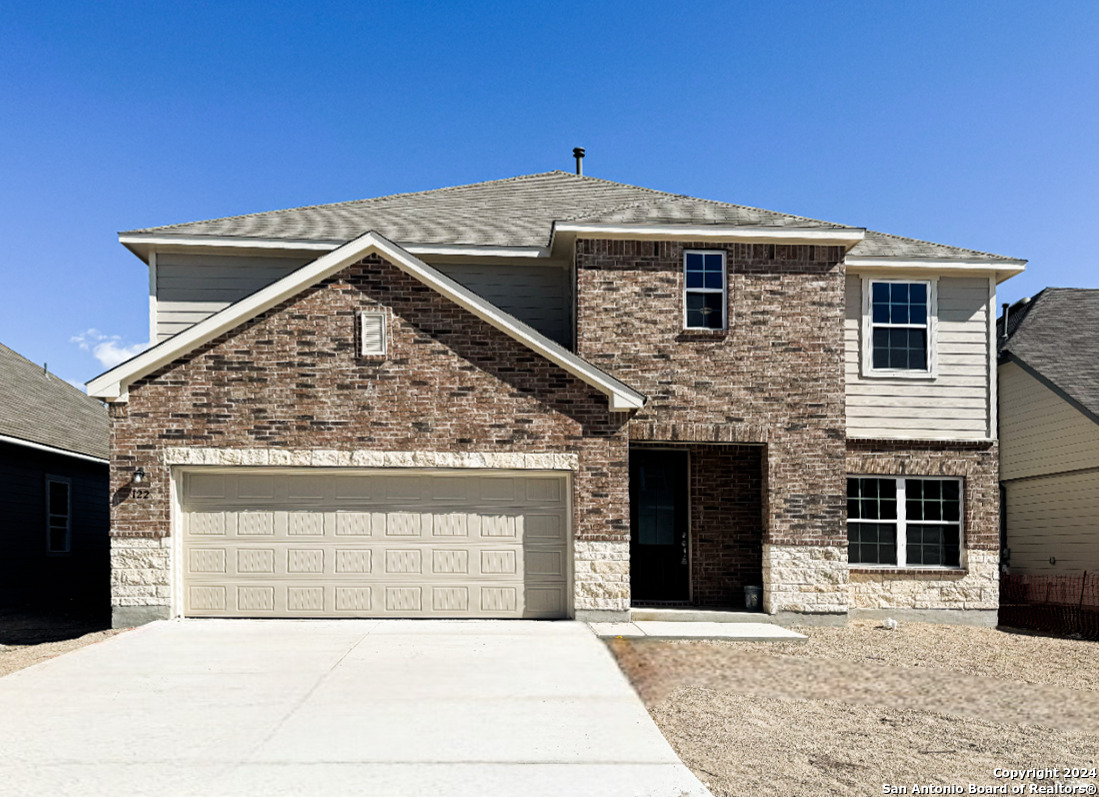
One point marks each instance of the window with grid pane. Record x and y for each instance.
(899, 326)
(872, 521)
(934, 516)
(705, 289)
(58, 514)
(904, 522)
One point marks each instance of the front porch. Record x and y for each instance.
(696, 525)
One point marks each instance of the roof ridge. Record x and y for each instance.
(344, 203)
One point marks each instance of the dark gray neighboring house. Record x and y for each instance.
(1049, 432)
(54, 504)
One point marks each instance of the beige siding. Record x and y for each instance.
(955, 404)
(1040, 432)
(191, 288)
(536, 295)
(1054, 516)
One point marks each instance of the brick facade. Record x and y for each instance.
(726, 498)
(775, 376)
(290, 379)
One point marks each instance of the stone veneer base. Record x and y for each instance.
(805, 579)
(976, 587)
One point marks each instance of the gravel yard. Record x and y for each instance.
(853, 708)
(27, 638)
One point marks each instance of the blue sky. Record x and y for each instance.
(972, 124)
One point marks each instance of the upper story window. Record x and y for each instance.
(705, 290)
(58, 515)
(898, 332)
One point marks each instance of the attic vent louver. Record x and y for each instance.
(372, 337)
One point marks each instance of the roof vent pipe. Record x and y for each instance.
(1003, 332)
(578, 153)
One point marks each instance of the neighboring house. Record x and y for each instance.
(555, 396)
(54, 507)
(1049, 432)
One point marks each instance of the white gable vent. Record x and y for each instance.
(372, 335)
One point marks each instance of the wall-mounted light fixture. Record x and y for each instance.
(139, 475)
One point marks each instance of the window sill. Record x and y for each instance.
(941, 572)
(908, 375)
(703, 334)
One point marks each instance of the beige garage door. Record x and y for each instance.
(395, 544)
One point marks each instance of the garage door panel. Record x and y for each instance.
(375, 545)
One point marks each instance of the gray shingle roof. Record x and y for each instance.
(1055, 334)
(43, 408)
(520, 211)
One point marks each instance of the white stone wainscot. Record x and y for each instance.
(808, 579)
(141, 587)
(601, 576)
(976, 586)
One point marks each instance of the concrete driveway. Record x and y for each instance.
(391, 707)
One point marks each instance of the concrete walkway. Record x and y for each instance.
(734, 632)
(392, 707)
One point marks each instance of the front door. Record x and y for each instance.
(658, 527)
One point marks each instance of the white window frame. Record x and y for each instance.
(384, 316)
(902, 522)
(868, 325)
(51, 515)
(724, 291)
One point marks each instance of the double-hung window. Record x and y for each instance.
(705, 290)
(898, 332)
(58, 514)
(904, 522)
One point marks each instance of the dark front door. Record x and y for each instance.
(658, 526)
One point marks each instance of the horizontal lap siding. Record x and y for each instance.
(1040, 432)
(1054, 516)
(191, 288)
(536, 295)
(953, 405)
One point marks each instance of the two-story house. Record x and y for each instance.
(554, 396)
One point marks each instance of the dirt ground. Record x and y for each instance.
(854, 708)
(27, 638)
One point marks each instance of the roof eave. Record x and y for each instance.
(1002, 269)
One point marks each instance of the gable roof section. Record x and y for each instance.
(41, 409)
(1054, 338)
(522, 212)
(113, 385)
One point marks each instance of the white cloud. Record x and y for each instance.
(108, 349)
(78, 385)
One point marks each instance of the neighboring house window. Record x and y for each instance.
(904, 522)
(899, 327)
(58, 514)
(704, 289)
(372, 341)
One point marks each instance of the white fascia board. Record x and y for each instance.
(51, 449)
(717, 232)
(136, 242)
(113, 385)
(1003, 269)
